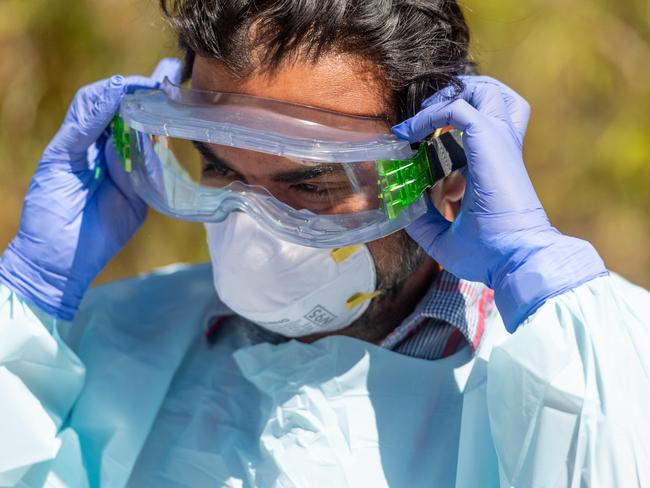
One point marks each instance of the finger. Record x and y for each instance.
(117, 174)
(484, 96)
(136, 82)
(482, 92)
(518, 108)
(444, 95)
(427, 229)
(94, 106)
(487, 99)
(458, 113)
(89, 114)
(171, 68)
(479, 79)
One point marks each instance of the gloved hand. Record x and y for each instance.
(502, 236)
(79, 210)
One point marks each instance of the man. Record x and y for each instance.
(412, 380)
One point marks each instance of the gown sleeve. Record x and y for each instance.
(40, 380)
(569, 392)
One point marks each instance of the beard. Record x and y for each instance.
(399, 258)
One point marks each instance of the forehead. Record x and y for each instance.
(335, 82)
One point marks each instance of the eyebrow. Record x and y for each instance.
(296, 176)
(205, 151)
(293, 176)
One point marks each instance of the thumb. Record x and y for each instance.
(171, 68)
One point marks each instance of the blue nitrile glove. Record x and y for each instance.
(79, 210)
(502, 236)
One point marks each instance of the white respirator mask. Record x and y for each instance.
(286, 288)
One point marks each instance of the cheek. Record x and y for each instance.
(386, 253)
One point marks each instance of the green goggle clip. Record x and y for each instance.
(122, 140)
(401, 182)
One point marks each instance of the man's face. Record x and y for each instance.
(342, 84)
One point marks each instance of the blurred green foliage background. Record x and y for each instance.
(583, 65)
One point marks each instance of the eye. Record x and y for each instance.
(310, 188)
(210, 167)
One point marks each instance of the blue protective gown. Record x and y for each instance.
(130, 394)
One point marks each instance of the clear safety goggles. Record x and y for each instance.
(314, 177)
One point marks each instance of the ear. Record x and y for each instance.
(447, 195)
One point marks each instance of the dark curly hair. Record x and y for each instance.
(417, 46)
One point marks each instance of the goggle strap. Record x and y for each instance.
(445, 154)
